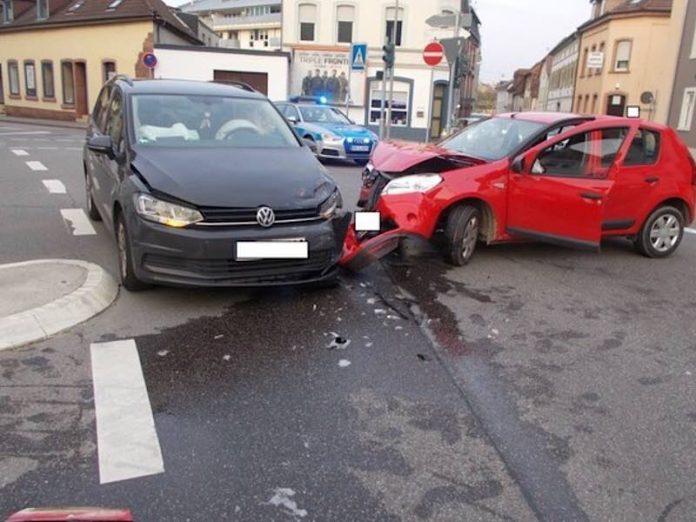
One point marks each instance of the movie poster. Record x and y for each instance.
(326, 73)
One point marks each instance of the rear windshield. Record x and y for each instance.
(492, 139)
(208, 121)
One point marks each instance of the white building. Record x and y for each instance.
(241, 24)
(318, 33)
(503, 97)
(562, 78)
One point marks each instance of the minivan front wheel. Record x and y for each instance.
(462, 232)
(662, 233)
(125, 259)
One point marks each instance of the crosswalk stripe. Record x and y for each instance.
(690, 230)
(20, 152)
(77, 220)
(54, 186)
(127, 441)
(36, 165)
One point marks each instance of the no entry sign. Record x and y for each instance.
(433, 53)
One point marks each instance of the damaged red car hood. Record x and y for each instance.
(402, 157)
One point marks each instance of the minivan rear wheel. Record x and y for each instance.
(662, 233)
(462, 233)
(125, 259)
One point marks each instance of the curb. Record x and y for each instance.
(95, 295)
(44, 123)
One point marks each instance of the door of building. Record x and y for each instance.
(258, 81)
(616, 104)
(81, 102)
(438, 116)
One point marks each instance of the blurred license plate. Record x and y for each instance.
(361, 148)
(279, 249)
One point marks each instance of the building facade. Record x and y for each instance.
(564, 63)
(242, 24)
(56, 54)
(683, 104)
(503, 97)
(627, 58)
(318, 34)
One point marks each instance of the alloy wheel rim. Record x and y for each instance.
(470, 237)
(665, 232)
(122, 254)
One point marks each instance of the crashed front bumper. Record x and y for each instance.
(401, 216)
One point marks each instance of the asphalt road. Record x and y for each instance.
(535, 384)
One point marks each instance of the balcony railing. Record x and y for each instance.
(220, 21)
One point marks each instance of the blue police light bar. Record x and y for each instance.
(320, 100)
(323, 100)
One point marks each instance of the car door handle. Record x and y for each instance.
(652, 179)
(594, 196)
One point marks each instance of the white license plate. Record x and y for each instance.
(361, 148)
(280, 249)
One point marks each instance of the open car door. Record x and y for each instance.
(557, 190)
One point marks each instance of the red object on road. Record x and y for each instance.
(433, 53)
(565, 179)
(87, 514)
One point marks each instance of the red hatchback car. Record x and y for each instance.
(565, 179)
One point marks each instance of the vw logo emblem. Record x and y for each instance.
(265, 217)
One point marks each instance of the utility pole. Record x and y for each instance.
(391, 72)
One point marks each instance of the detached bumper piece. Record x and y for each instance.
(89, 514)
(358, 255)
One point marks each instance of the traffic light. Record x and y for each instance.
(389, 56)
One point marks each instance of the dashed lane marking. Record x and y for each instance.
(20, 152)
(24, 133)
(127, 441)
(54, 186)
(78, 222)
(36, 165)
(46, 148)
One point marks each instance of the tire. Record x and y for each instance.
(362, 162)
(92, 210)
(461, 233)
(129, 281)
(661, 234)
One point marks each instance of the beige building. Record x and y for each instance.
(628, 52)
(56, 54)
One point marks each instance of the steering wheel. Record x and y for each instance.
(238, 132)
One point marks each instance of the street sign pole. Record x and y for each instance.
(391, 72)
(350, 76)
(450, 94)
(430, 105)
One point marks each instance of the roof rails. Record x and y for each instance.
(123, 77)
(236, 83)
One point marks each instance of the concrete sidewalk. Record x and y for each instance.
(82, 125)
(42, 297)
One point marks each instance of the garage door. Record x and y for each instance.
(258, 81)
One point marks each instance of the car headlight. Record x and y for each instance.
(328, 208)
(166, 213)
(330, 136)
(410, 184)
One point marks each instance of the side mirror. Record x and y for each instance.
(517, 165)
(292, 120)
(101, 144)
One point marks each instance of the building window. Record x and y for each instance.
(399, 104)
(13, 73)
(260, 36)
(601, 50)
(686, 115)
(390, 25)
(41, 9)
(29, 79)
(345, 15)
(623, 55)
(49, 89)
(7, 12)
(594, 103)
(578, 108)
(587, 103)
(585, 56)
(308, 20)
(693, 46)
(66, 71)
(109, 70)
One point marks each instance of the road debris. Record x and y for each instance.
(163, 353)
(282, 497)
(344, 363)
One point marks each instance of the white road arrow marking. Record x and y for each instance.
(127, 440)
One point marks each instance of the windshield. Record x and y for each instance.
(321, 114)
(208, 121)
(492, 139)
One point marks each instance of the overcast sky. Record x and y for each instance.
(518, 33)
